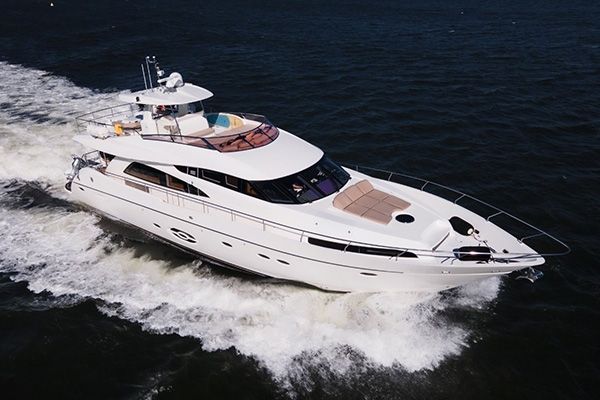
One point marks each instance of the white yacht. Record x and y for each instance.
(244, 193)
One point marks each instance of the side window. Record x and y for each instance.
(188, 170)
(232, 182)
(106, 157)
(153, 175)
(338, 172)
(248, 189)
(273, 193)
(227, 181)
(196, 107)
(147, 173)
(298, 188)
(175, 183)
(191, 189)
(213, 176)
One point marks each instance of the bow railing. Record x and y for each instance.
(489, 212)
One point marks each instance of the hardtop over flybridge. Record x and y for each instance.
(238, 190)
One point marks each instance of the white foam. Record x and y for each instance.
(285, 327)
(38, 97)
(36, 122)
(276, 324)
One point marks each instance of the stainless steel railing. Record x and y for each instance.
(253, 137)
(457, 196)
(103, 118)
(99, 123)
(185, 200)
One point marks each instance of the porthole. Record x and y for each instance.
(284, 262)
(264, 256)
(227, 244)
(183, 235)
(405, 218)
(82, 189)
(156, 225)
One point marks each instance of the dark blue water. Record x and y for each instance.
(501, 100)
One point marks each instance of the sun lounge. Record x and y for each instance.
(363, 200)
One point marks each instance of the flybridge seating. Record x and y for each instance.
(173, 112)
(224, 132)
(243, 132)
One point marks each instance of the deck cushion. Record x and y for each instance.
(361, 199)
(377, 194)
(367, 201)
(364, 186)
(202, 132)
(385, 208)
(376, 216)
(353, 193)
(218, 119)
(356, 209)
(397, 202)
(342, 201)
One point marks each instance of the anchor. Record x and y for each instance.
(531, 274)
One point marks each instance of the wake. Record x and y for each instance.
(286, 328)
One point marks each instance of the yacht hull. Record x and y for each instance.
(248, 246)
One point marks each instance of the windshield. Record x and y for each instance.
(314, 183)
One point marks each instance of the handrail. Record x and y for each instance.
(226, 143)
(303, 235)
(101, 117)
(254, 137)
(95, 117)
(496, 211)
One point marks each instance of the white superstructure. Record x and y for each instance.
(238, 190)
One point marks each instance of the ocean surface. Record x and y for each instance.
(498, 99)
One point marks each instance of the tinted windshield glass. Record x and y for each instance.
(314, 183)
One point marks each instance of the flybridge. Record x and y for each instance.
(173, 112)
(262, 134)
(226, 132)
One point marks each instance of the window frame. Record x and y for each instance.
(218, 177)
(134, 168)
(166, 183)
(325, 165)
(278, 191)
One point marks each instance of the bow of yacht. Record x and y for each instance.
(238, 190)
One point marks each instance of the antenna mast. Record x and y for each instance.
(160, 80)
(144, 75)
(148, 62)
